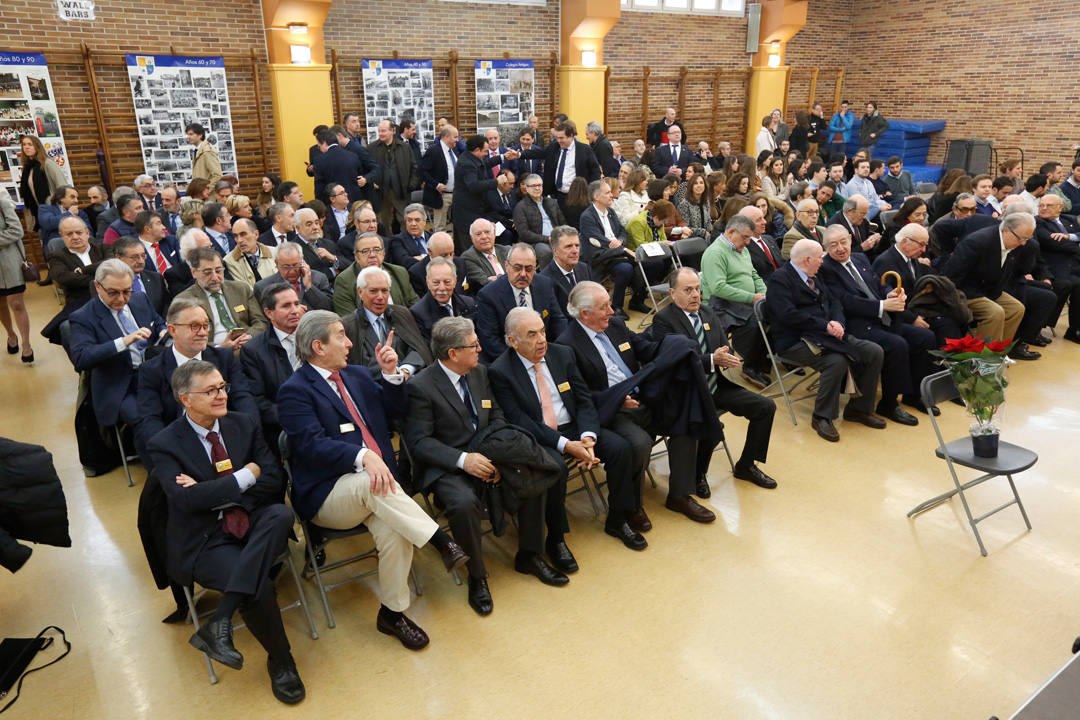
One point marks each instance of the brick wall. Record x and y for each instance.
(822, 43)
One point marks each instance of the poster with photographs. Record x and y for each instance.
(394, 89)
(27, 107)
(504, 96)
(170, 91)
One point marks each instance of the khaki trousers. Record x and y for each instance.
(396, 524)
(440, 217)
(997, 319)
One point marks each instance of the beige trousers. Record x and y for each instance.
(440, 217)
(997, 319)
(396, 524)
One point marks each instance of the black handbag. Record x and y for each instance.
(30, 271)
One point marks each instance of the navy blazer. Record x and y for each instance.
(553, 272)
(891, 259)
(525, 166)
(472, 180)
(859, 232)
(49, 217)
(154, 288)
(369, 169)
(585, 163)
(635, 349)
(592, 228)
(796, 312)
(498, 298)
(516, 395)
(404, 249)
(860, 310)
(418, 275)
(338, 165)
(331, 231)
(323, 439)
(975, 266)
(266, 367)
(662, 159)
(434, 172)
(194, 512)
(427, 312)
(1063, 257)
(93, 348)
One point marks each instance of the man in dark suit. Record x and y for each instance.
(601, 147)
(440, 245)
(147, 189)
(687, 316)
(109, 337)
(672, 157)
(312, 286)
(227, 525)
(534, 218)
(566, 270)
(436, 170)
(472, 180)
(442, 298)
(217, 226)
(376, 322)
(449, 403)
(170, 209)
(1059, 241)
(369, 173)
(659, 132)
(282, 218)
(526, 165)
(363, 221)
(162, 249)
(540, 389)
(603, 247)
(319, 254)
(869, 310)
(764, 252)
(807, 326)
(270, 357)
(853, 218)
(520, 287)
(805, 226)
(981, 266)
(565, 159)
(146, 281)
(410, 245)
(501, 205)
(337, 419)
(73, 268)
(336, 223)
(485, 261)
(336, 165)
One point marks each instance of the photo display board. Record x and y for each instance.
(504, 96)
(27, 107)
(395, 89)
(170, 91)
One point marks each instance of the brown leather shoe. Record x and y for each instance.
(825, 428)
(639, 521)
(872, 421)
(689, 507)
(404, 629)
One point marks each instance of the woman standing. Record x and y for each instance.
(800, 136)
(872, 128)
(12, 283)
(766, 139)
(206, 164)
(40, 177)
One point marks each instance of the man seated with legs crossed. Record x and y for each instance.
(227, 524)
(336, 418)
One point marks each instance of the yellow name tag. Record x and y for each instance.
(624, 347)
(563, 387)
(707, 326)
(223, 465)
(486, 404)
(238, 308)
(543, 314)
(346, 427)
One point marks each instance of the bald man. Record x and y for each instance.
(318, 252)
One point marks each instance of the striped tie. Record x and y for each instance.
(521, 299)
(699, 331)
(159, 258)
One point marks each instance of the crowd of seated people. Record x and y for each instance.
(206, 323)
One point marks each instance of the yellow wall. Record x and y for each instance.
(301, 96)
(766, 93)
(581, 95)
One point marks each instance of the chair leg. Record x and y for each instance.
(599, 493)
(416, 581)
(195, 621)
(728, 453)
(123, 454)
(302, 597)
(652, 480)
(309, 544)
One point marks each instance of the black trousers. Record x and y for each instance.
(747, 341)
(243, 566)
(630, 443)
(905, 363)
(758, 409)
(833, 367)
(1040, 302)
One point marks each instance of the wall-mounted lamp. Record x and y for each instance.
(774, 54)
(588, 58)
(297, 28)
(300, 54)
(774, 61)
(775, 46)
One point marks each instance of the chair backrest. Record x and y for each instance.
(690, 246)
(643, 256)
(938, 388)
(887, 217)
(925, 187)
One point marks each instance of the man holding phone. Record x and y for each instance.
(229, 304)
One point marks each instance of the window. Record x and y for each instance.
(735, 8)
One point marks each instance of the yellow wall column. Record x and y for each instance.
(581, 76)
(780, 20)
(766, 93)
(301, 95)
(581, 95)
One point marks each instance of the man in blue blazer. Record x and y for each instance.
(442, 298)
(672, 157)
(109, 337)
(436, 170)
(519, 287)
(369, 174)
(336, 418)
(565, 271)
(472, 180)
(268, 358)
(336, 165)
(526, 165)
(410, 246)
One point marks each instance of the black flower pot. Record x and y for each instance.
(985, 446)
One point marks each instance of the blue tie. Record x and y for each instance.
(559, 174)
(613, 354)
(129, 326)
(463, 382)
(380, 328)
(138, 285)
(421, 244)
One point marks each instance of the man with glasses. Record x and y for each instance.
(147, 188)
(229, 304)
(109, 337)
(311, 286)
(410, 246)
(189, 328)
(336, 223)
(805, 226)
(369, 251)
(146, 281)
(364, 220)
(535, 217)
(520, 286)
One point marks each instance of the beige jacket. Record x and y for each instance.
(206, 164)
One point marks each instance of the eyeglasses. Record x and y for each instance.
(965, 209)
(475, 346)
(117, 293)
(290, 267)
(214, 391)
(522, 268)
(195, 327)
(370, 251)
(533, 186)
(208, 272)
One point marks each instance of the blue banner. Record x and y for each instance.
(503, 64)
(173, 61)
(12, 58)
(390, 64)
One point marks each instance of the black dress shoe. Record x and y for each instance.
(179, 615)
(1072, 335)
(561, 557)
(1020, 352)
(825, 428)
(756, 378)
(533, 564)
(701, 488)
(638, 306)
(480, 596)
(215, 639)
(898, 415)
(914, 401)
(867, 419)
(755, 475)
(453, 556)
(624, 532)
(621, 314)
(14, 555)
(1039, 341)
(1076, 646)
(404, 629)
(689, 507)
(639, 521)
(12, 349)
(285, 681)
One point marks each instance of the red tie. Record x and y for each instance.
(369, 439)
(767, 253)
(234, 520)
(494, 170)
(159, 259)
(297, 286)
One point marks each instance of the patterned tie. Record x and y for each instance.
(811, 284)
(463, 383)
(546, 406)
(289, 344)
(369, 439)
(494, 170)
(234, 519)
(522, 302)
(768, 254)
(159, 258)
(137, 285)
(223, 313)
(571, 278)
(129, 326)
(699, 331)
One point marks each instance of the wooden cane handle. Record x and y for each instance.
(893, 273)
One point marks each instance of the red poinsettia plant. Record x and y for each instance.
(978, 369)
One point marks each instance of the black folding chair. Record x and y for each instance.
(778, 361)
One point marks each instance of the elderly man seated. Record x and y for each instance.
(872, 313)
(318, 253)
(311, 286)
(250, 261)
(440, 245)
(369, 251)
(377, 322)
(484, 261)
(442, 298)
(234, 314)
(805, 226)
(808, 326)
(853, 217)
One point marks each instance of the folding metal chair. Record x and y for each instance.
(652, 288)
(588, 476)
(688, 247)
(777, 360)
(657, 454)
(301, 602)
(1011, 459)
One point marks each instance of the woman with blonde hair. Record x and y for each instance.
(190, 216)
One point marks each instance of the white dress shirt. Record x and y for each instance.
(288, 342)
(605, 222)
(569, 168)
(244, 477)
(517, 297)
(455, 380)
(451, 162)
(151, 254)
(181, 358)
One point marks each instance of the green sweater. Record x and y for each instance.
(728, 274)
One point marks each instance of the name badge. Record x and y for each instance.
(624, 347)
(707, 326)
(223, 465)
(486, 404)
(544, 313)
(238, 308)
(564, 387)
(346, 427)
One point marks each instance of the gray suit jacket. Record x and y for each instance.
(239, 298)
(477, 267)
(409, 343)
(317, 297)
